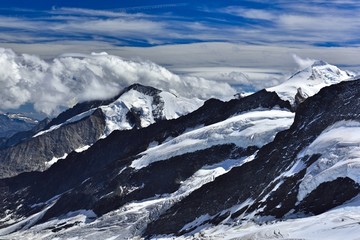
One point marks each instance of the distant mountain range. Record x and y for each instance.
(11, 123)
(150, 164)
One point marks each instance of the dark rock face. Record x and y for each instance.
(299, 98)
(88, 177)
(257, 179)
(329, 195)
(33, 153)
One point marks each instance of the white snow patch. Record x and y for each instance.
(339, 146)
(83, 148)
(176, 106)
(297, 167)
(254, 128)
(54, 160)
(198, 221)
(42, 231)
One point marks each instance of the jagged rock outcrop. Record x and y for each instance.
(299, 97)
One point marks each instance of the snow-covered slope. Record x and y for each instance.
(134, 107)
(340, 223)
(310, 80)
(339, 148)
(307, 170)
(137, 107)
(254, 128)
(130, 220)
(148, 108)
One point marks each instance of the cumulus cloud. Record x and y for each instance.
(72, 78)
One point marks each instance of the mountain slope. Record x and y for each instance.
(282, 169)
(101, 178)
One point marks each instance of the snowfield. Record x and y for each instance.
(174, 107)
(340, 156)
(340, 223)
(254, 128)
(338, 147)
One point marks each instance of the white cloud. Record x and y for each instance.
(250, 13)
(265, 66)
(92, 12)
(303, 62)
(65, 80)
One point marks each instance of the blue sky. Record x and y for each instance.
(151, 23)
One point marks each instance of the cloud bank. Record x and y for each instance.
(71, 78)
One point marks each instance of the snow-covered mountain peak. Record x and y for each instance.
(319, 63)
(310, 80)
(136, 106)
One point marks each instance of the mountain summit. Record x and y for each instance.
(310, 81)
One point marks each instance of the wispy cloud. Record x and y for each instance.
(315, 23)
(281, 22)
(250, 13)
